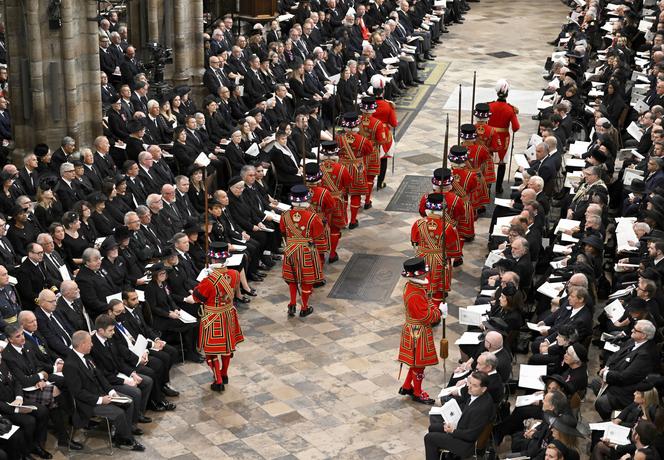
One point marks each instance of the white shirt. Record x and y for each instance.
(575, 311)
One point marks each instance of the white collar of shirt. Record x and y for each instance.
(81, 356)
(101, 339)
(638, 344)
(472, 398)
(575, 311)
(658, 260)
(20, 350)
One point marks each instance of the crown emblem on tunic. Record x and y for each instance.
(297, 217)
(432, 225)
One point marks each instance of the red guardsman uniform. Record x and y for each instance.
(304, 233)
(426, 234)
(387, 113)
(503, 114)
(487, 136)
(417, 349)
(337, 180)
(220, 330)
(480, 197)
(379, 134)
(353, 149)
(464, 184)
(480, 157)
(323, 205)
(454, 208)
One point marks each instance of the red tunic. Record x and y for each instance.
(323, 205)
(480, 196)
(220, 330)
(454, 206)
(337, 180)
(502, 115)
(353, 149)
(480, 157)
(426, 234)
(387, 113)
(379, 135)
(464, 184)
(305, 237)
(417, 348)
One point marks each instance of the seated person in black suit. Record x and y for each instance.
(33, 423)
(34, 276)
(122, 375)
(52, 324)
(94, 284)
(625, 369)
(477, 411)
(166, 314)
(93, 394)
(27, 366)
(159, 356)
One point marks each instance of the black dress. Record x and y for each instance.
(117, 208)
(104, 223)
(6, 203)
(89, 231)
(161, 304)
(21, 237)
(74, 248)
(46, 216)
(197, 198)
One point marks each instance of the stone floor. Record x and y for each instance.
(325, 386)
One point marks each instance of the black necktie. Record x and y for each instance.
(60, 331)
(41, 270)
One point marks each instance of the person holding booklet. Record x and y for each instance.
(458, 439)
(94, 395)
(166, 316)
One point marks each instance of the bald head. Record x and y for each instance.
(493, 341)
(46, 300)
(69, 290)
(528, 196)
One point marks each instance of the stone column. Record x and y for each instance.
(54, 73)
(196, 38)
(153, 20)
(180, 55)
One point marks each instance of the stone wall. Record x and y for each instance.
(54, 73)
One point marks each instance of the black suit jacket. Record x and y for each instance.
(8, 254)
(474, 417)
(32, 282)
(29, 186)
(42, 352)
(68, 195)
(86, 384)
(135, 323)
(106, 358)
(58, 342)
(24, 366)
(94, 290)
(627, 368)
(104, 165)
(73, 315)
(254, 87)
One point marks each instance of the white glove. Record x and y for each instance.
(443, 309)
